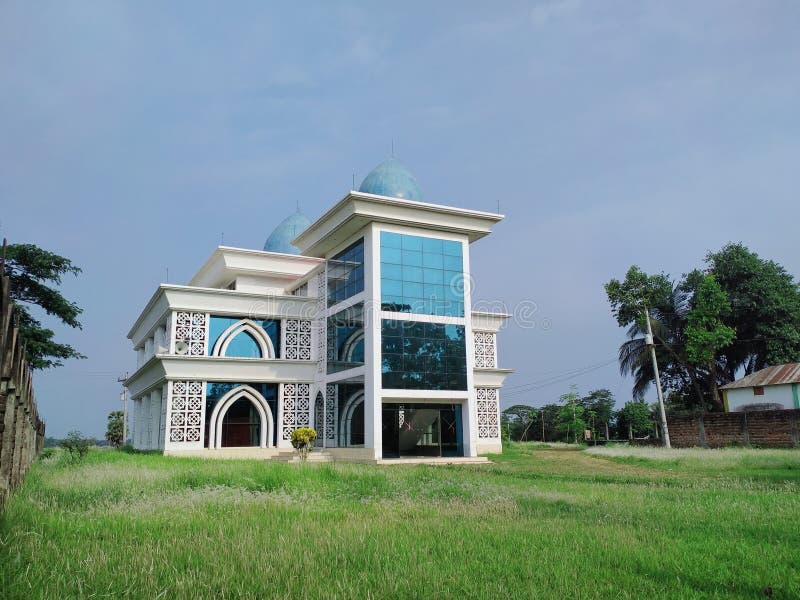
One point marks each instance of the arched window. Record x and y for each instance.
(243, 345)
(244, 339)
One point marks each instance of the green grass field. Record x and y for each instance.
(604, 523)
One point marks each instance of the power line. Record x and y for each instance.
(535, 385)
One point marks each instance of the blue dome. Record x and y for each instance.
(390, 178)
(280, 240)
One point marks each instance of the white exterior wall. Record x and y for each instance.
(773, 394)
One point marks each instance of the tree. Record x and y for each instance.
(517, 421)
(706, 334)
(114, 432)
(634, 419)
(764, 314)
(30, 269)
(571, 415)
(76, 445)
(667, 305)
(765, 309)
(599, 407)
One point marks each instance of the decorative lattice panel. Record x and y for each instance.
(190, 328)
(321, 322)
(186, 411)
(297, 340)
(330, 412)
(488, 413)
(485, 350)
(296, 407)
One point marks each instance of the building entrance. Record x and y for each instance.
(422, 430)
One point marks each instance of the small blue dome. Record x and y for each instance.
(390, 178)
(280, 240)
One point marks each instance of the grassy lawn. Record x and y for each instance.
(609, 523)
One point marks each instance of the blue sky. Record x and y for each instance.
(133, 135)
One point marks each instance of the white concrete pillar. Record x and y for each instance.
(137, 423)
(159, 346)
(162, 417)
(153, 418)
(144, 417)
(372, 342)
(148, 349)
(470, 419)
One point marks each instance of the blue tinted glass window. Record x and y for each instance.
(392, 271)
(346, 339)
(243, 345)
(218, 325)
(435, 261)
(452, 248)
(346, 273)
(412, 242)
(432, 246)
(425, 356)
(431, 272)
(412, 273)
(453, 263)
(392, 255)
(390, 240)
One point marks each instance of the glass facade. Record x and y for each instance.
(243, 345)
(423, 356)
(421, 275)
(346, 339)
(346, 273)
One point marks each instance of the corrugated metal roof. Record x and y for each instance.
(775, 375)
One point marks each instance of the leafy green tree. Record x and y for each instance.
(634, 419)
(706, 334)
(765, 309)
(518, 421)
(114, 431)
(30, 270)
(76, 445)
(599, 408)
(571, 421)
(548, 422)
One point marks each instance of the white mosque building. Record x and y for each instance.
(358, 325)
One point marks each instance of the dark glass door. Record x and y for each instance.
(241, 425)
(421, 430)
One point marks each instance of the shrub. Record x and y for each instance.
(76, 445)
(47, 453)
(303, 441)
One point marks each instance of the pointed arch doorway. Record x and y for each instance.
(241, 418)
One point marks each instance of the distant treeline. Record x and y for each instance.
(570, 420)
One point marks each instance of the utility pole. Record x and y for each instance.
(124, 398)
(649, 341)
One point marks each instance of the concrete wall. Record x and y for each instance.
(784, 395)
(769, 428)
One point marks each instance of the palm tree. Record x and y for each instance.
(668, 320)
